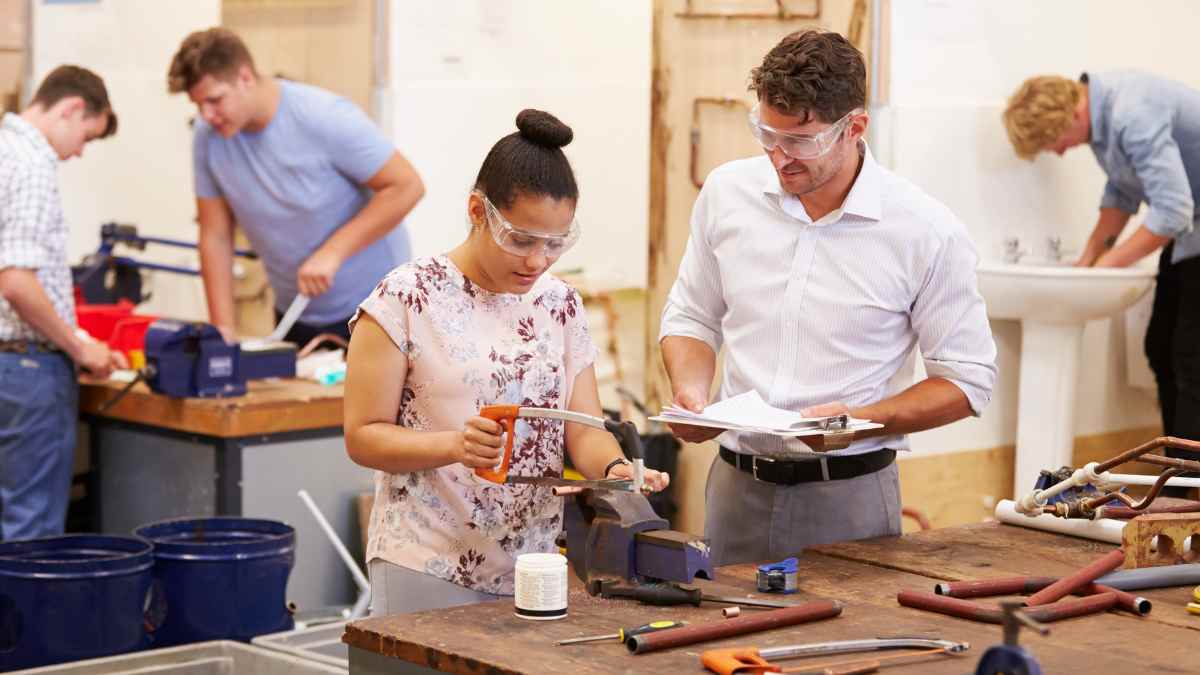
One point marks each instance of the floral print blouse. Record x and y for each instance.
(468, 347)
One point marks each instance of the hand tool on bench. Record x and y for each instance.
(625, 633)
(506, 416)
(780, 577)
(752, 659)
(670, 595)
(609, 529)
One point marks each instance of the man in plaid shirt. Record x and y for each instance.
(39, 346)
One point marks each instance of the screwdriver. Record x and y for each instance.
(624, 633)
(667, 595)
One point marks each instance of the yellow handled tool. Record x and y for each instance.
(625, 633)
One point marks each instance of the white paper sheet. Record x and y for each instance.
(749, 412)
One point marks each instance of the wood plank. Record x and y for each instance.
(269, 407)
(991, 550)
(489, 638)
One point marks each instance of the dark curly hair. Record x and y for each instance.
(812, 73)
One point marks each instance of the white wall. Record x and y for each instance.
(143, 174)
(462, 70)
(953, 64)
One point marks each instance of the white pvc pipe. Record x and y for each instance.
(1138, 479)
(1105, 529)
(359, 577)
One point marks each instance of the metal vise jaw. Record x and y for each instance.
(613, 534)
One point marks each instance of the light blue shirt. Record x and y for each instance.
(294, 183)
(1146, 136)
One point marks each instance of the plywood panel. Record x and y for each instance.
(327, 44)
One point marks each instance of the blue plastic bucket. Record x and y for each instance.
(223, 578)
(72, 597)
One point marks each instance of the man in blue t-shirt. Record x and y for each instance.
(320, 192)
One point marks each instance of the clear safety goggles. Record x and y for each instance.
(797, 146)
(523, 242)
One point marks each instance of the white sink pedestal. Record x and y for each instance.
(1050, 354)
(1053, 303)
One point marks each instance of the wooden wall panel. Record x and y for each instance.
(328, 44)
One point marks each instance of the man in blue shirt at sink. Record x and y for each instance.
(1145, 133)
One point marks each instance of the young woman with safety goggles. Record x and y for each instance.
(441, 337)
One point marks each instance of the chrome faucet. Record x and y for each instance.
(1013, 250)
(1054, 248)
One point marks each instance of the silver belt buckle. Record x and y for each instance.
(754, 466)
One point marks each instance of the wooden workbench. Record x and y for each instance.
(268, 407)
(865, 575)
(156, 457)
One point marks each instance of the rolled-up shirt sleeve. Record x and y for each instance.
(696, 302)
(1113, 198)
(950, 319)
(1151, 148)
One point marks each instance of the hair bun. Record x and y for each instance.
(544, 129)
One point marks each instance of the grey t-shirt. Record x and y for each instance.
(294, 183)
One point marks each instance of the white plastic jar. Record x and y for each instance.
(540, 587)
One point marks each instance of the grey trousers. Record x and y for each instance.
(399, 590)
(751, 521)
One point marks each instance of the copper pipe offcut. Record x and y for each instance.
(1073, 582)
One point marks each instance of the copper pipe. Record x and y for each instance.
(1067, 609)
(988, 588)
(1172, 462)
(1160, 442)
(950, 606)
(1151, 495)
(1070, 583)
(917, 515)
(1125, 513)
(775, 618)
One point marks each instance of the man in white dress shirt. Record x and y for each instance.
(819, 271)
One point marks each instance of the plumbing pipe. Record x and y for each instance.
(1072, 582)
(1092, 472)
(950, 606)
(775, 618)
(1139, 479)
(1106, 529)
(987, 588)
(1153, 577)
(1064, 609)
(1127, 513)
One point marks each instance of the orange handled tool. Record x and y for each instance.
(506, 416)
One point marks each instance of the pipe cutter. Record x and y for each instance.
(609, 529)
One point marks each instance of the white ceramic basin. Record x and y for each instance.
(1060, 293)
(1053, 302)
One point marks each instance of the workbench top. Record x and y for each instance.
(865, 575)
(269, 407)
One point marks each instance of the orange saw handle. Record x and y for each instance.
(737, 660)
(506, 417)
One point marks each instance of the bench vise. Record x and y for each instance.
(186, 359)
(617, 535)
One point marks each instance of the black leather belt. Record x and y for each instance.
(787, 472)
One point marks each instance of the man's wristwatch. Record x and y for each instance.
(619, 460)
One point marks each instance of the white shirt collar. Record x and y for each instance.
(17, 124)
(864, 198)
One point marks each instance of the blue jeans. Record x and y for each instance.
(39, 405)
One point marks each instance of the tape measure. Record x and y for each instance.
(780, 577)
